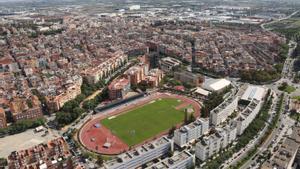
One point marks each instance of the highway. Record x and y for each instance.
(291, 15)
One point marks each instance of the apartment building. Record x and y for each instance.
(141, 155)
(105, 68)
(191, 132)
(69, 91)
(181, 160)
(119, 88)
(248, 115)
(54, 154)
(294, 105)
(26, 108)
(137, 73)
(222, 111)
(153, 78)
(189, 78)
(212, 144)
(2, 118)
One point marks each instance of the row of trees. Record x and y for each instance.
(271, 126)
(92, 103)
(70, 111)
(213, 100)
(256, 126)
(22, 126)
(259, 76)
(289, 33)
(283, 52)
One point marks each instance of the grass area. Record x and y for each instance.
(286, 88)
(289, 89)
(288, 27)
(146, 121)
(296, 98)
(287, 23)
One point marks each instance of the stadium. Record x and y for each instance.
(135, 123)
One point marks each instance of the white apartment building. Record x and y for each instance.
(208, 147)
(191, 132)
(231, 130)
(141, 155)
(248, 115)
(181, 160)
(225, 109)
(205, 125)
(212, 144)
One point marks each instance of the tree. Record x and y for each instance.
(171, 131)
(77, 111)
(99, 160)
(204, 112)
(63, 118)
(186, 120)
(293, 111)
(85, 155)
(143, 86)
(21, 126)
(3, 162)
(69, 106)
(80, 98)
(133, 87)
(88, 105)
(283, 86)
(192, 118)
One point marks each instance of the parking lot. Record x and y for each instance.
(23, 140)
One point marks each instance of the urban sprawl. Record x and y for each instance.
(149, 85)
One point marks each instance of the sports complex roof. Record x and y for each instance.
(215, 84)
(254, 92)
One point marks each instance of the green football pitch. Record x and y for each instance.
(142, 123)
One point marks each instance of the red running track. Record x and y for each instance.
(94, 138)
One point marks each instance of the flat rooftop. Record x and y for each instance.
(137, 152)
(172, 161)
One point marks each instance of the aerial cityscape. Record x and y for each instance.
(149, 84)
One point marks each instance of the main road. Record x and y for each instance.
(291, 15)
(273, 140)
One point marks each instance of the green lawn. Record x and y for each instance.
(289, 89)
(286, 88)
(296, 98)
(145, 122)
